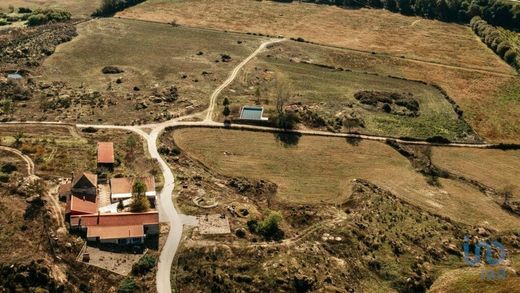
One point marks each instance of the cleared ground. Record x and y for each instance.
(495, 168)
(322, 169)
(364, 29)
(78, 8)
(164, 56)
(330, 93)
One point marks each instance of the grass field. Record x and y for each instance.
(490, 102)
(495, 168)
(322, 169)
(478, 80)
(364, 29)
(164, 56)
(331, 92)
(78, 8)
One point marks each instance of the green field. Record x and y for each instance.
(321, 170)
(331, 92)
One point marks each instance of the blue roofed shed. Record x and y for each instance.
(252, 113)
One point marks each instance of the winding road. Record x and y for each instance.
(167, 209)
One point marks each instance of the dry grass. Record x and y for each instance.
(59, 151)
(164, 56)
(495, 168)
(490, 102)
(331, 94)
(363, 29)
(78, 8)
(322, 170)
(455, 58)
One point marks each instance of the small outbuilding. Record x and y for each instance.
(105, 156)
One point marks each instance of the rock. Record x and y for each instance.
(112, 70)
(482, 232)
(225, 58)
(141, 106)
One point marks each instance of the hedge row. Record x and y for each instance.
(492, 37)
(39, 16)
(497, 12)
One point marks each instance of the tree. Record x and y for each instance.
(18, 139)
(226, 111)
(391, 5)
(128, 285)
(269, 228)
(405, 7)
(226, 102)
(7, 107)
(130, 144)
(140, 202)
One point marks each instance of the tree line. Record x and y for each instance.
(496, 12)
(110, 7)
(492, 37)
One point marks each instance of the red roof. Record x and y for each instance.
(79, 205)
(105, 152)
(116, 232)
(119, 219)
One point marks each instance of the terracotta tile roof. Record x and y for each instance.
(105, 152)
(119, 219)
(125, 185)
(116, 232)
(85, 178)
(77, 204)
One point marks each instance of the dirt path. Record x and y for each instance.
(233, 75)
(25, 158)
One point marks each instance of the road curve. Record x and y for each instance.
(233, 75)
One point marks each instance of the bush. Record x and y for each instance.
(269, 228)
(37, 19)
(502, 48)
(144, 265)
(3, 22)
(128, 285)
(510, 57)
(8, 168)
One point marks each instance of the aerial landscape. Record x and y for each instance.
(259, 146)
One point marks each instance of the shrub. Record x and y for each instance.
(269, 228)
(8, 168)
(37, 19)
(128, 285)
(510, 57)
(144, 265)
(502, 48)
(109, 7)
(3, 22)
